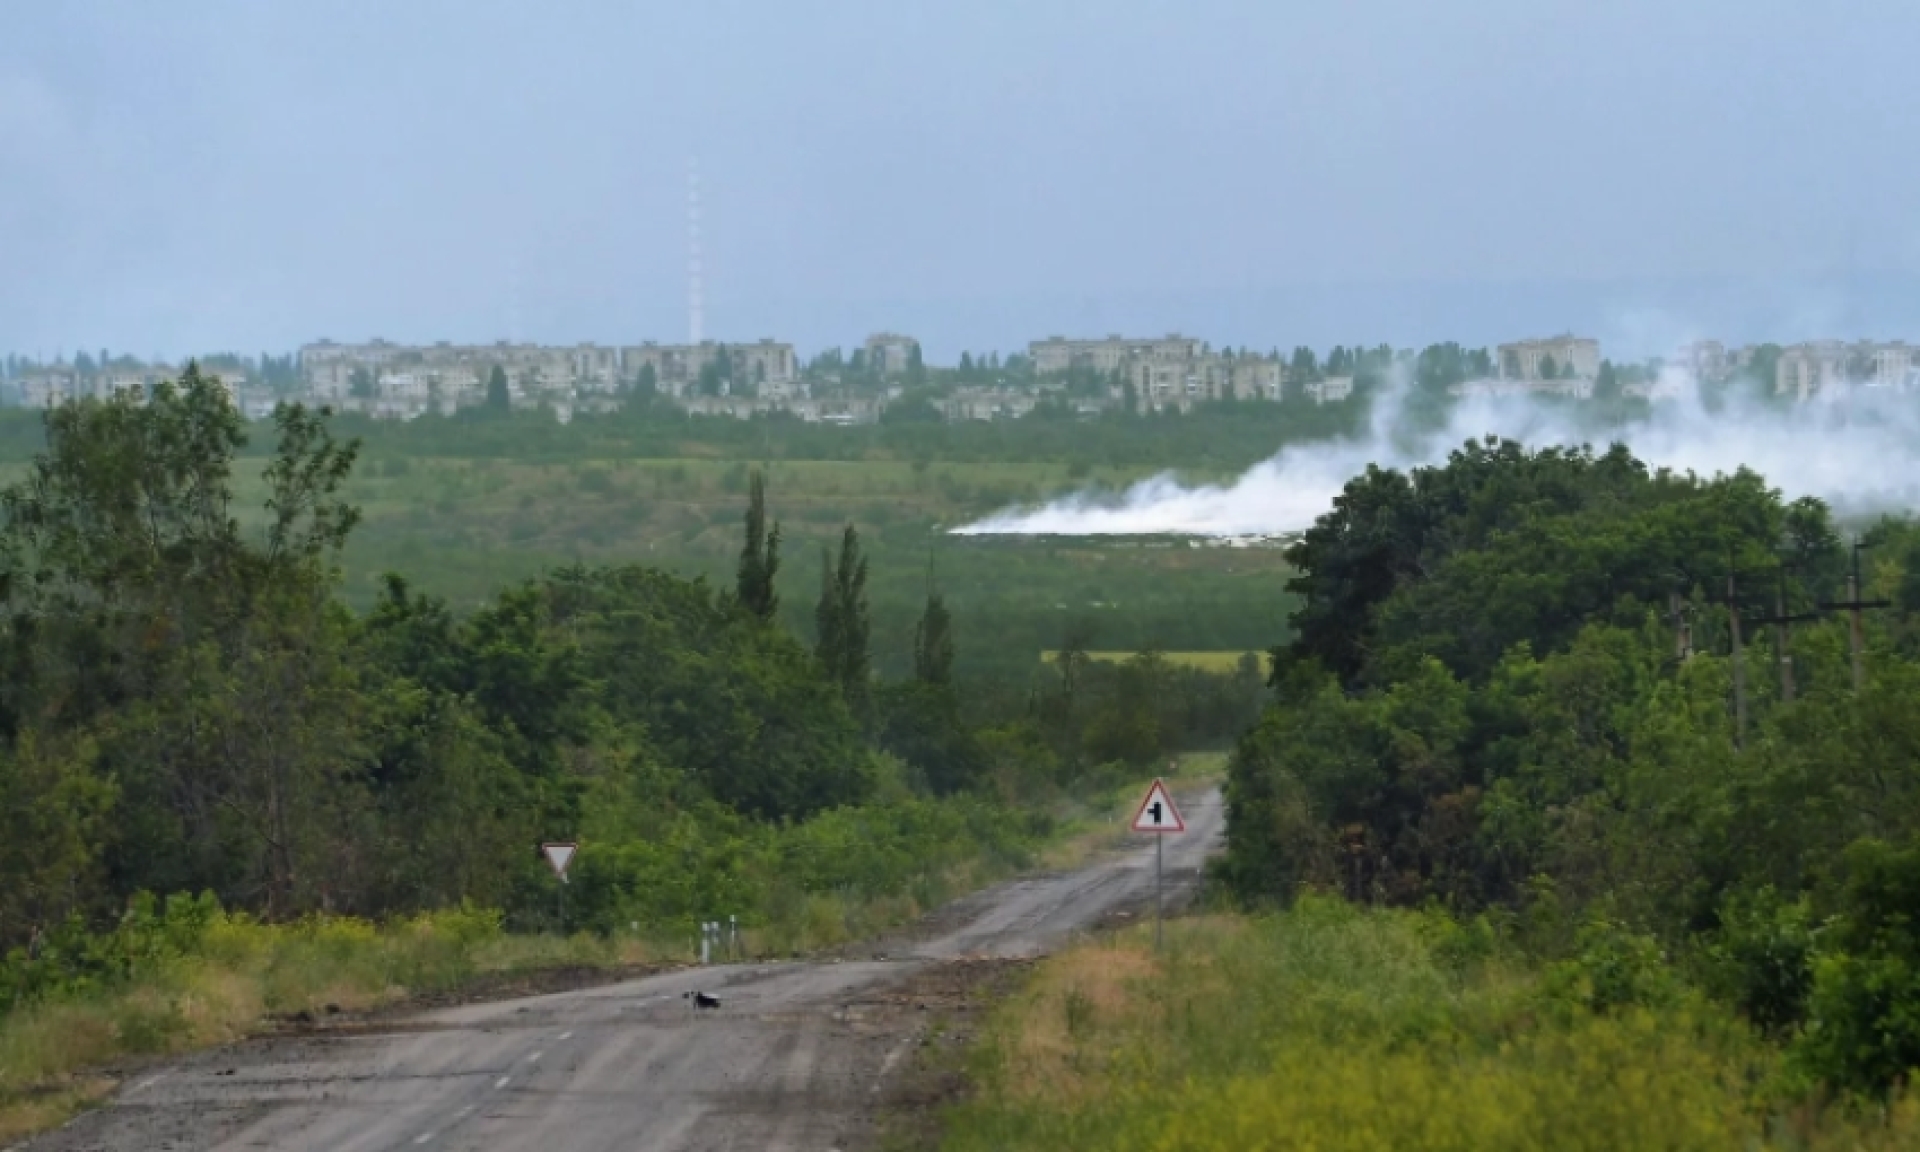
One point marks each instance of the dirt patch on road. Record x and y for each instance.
(941, 1009)
(954, 999)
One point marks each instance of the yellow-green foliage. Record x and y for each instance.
(1330, 1028)
(1204, 661)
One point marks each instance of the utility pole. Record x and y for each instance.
(1853, 605)
(1783, 622)
(1681, 614)
(1739, 666)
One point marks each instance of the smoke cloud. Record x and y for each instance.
(1856, 452)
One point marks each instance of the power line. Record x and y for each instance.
(1853, 605)
(1783, 622)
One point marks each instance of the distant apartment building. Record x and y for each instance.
(1329, 389)
(48, 387)
(988, 404)
(597, 369)
(1831, 368)
(1058, 354)
(62, 383)
(1705, 360)
(1895, 365)
(1805, 370)
(1164, 382)
(1172, 372)
(400, 381)
(1567, 357)
(767, 368)
(890, 353)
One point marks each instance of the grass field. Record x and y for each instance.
(464, 528)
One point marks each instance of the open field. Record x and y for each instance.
(463, 512)
(462, 528)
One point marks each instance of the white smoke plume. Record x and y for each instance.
(1861, 453)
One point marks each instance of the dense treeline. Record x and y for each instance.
(1217, 436)
(186, 706)
(1513, 690)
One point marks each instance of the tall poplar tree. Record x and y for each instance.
(933, 638)
(760, 555)
(842, 621)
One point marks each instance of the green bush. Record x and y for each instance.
(70, 960)
(1863, 1031)
(711, 864)
(1761, 959)
(1613, 968)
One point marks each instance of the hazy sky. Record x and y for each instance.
(193, 176)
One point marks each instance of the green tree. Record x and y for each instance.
(499, 395)
(206, 656)
(759, 555)
(921, 724)
(1304, 368)
(1864, 1031)
(55, 812)
(740, 709)
(841, 621)
(933, 640)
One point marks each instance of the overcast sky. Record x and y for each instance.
(192, 176)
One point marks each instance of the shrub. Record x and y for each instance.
(1863, 1032)
(1761, 959)
(1613, 968)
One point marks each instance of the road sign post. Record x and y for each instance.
(1158, 815)
(559, 855)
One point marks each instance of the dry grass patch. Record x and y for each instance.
(23, 1115)
(1054, 1052)
(239, 974)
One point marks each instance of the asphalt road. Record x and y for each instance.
(795, 1057)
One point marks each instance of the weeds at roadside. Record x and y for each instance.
(1331, 1028)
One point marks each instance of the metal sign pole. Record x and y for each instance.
(1159, 858)
(1158, 816)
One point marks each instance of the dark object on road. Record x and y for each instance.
(703, 1001)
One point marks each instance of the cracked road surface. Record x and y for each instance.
(795, 1058)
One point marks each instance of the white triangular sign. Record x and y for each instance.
(559, 856)
(1157, 813)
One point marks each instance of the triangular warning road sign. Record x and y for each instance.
(558, 857)
(1157, 813)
